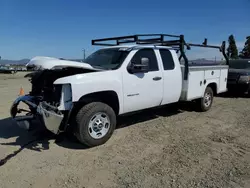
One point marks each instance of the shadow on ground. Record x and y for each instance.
(9, 129)
(149, 114)
(234, 95)
(40, 139)
(37, 141)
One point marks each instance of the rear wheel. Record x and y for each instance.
(206, 102)
(96, 123)
(248, 93)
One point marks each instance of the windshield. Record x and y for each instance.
(239, 64)
(110, 58)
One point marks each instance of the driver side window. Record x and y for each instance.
(146, 53)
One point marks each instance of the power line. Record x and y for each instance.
(84, 55)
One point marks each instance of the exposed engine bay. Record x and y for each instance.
(44, 98)
(42, 82)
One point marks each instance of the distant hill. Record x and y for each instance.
(25, 61)
(202, 62)
(16, 62)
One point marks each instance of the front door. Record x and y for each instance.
(143, 90)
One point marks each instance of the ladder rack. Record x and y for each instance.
(178, 42)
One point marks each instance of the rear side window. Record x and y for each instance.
(167, 59)
(148, 53)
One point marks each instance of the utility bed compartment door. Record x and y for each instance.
(223, 80)
(192, 88)
(210, 74)
(195, 84)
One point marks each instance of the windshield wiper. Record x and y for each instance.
(100, 67)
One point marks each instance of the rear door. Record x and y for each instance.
(143, 90)
(172, 76)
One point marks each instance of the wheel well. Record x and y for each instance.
(108, 97)
(213, 87)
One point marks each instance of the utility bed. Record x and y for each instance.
(198, 76)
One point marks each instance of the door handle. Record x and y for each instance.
(157, 78)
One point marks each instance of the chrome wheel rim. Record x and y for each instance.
(207, 99)
(99, 125)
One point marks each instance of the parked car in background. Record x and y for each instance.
(7, 70)
(21, 68)
(239, 76)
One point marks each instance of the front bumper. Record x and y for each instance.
(51, 117)
(48, 115)
(238, 87)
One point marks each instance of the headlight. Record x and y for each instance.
(66, 97)
(244, 79)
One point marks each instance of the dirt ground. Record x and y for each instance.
(172, 146)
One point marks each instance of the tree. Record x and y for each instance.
(232, 50)
(245, 53)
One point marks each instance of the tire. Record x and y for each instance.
(248, 93)
(88, 120)
(205, 103)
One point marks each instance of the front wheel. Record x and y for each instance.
(206, 102)
(96, 123)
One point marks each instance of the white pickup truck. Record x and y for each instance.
(116, 80)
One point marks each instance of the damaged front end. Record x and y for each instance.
(51, 117)
(24, 121)
(47, 102)
(48, 114)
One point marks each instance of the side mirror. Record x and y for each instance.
(142, 67)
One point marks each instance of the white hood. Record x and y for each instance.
(41, 62)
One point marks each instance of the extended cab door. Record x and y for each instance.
(172, 75)
(143, 90)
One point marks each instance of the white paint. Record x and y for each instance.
(209, 74)
(66, 97)
(172, 92)
(194, 89)
(140, 91)
(84, 84)
(223, 81)
(41, 62)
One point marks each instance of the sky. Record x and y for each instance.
(63, 28)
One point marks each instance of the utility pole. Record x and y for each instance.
(83, 54)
